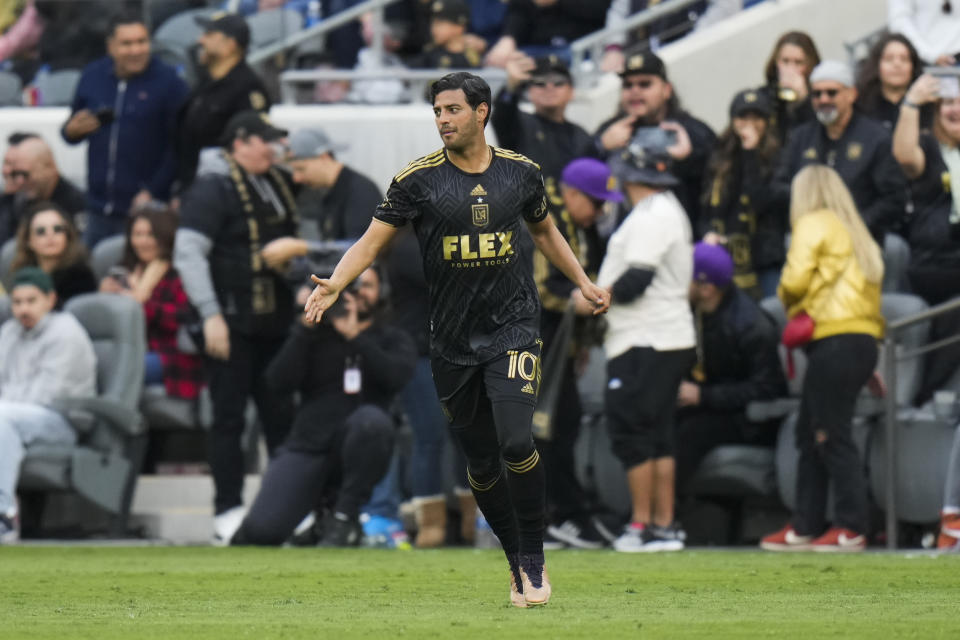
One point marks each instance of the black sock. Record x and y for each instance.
(493, 498)
(528, 483)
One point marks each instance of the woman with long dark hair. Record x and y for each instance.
(47, 239)
(740, 209)
(886, 75)
(787, 75)
(146, 275)
(831, 290)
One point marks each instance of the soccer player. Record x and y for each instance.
(466, 202)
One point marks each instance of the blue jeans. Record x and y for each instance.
(153, 371)
(101, 227)
(23, 425)
(769, 279)
(430, 430)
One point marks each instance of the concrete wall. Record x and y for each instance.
(708, 69)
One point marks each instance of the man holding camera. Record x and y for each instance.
(126, 107)
(348, 370)
(237, 235)
(648, 102)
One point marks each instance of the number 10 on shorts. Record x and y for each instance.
(522, 362)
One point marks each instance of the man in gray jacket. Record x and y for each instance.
(44, 354)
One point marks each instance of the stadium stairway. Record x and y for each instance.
(178, 508)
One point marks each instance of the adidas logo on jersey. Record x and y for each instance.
(478, 191)
(528, 388)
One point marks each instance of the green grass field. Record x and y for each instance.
(198, 593)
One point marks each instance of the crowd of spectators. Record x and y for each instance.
(689, 229)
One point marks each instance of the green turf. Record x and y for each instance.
(197, 593)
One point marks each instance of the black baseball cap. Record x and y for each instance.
(229, 24)
(546, 65)
(643, 162)
(251, 123)
(646, 62)
(456, 11)
(751, 101)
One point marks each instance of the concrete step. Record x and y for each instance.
(179, 508)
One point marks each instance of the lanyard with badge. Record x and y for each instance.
(352, 378)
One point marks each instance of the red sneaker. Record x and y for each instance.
(838, 539)
(949, 537)
(786, 540)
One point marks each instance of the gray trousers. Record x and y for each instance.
(951, 492)
(23, 425)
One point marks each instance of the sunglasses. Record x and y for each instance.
(551, 82)
(18, 174)
(42, 231)
(642, 84)
(819, 93)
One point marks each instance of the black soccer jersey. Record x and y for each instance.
(483, 300)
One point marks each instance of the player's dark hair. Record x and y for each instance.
(123, 17)
(474, 88)
(17, 137)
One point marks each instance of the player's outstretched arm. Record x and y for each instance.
(552, 244)
(357, 258)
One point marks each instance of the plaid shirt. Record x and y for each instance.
(165, 310)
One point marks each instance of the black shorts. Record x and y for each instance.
(641, 401)
(494, 401)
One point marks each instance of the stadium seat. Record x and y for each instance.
(57, 87)
(6, 259)
(103, 466)
(106, 254)
(11, 90)
(181, 31)
(269, 27)
(924, 441)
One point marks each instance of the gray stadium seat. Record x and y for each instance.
(103, 466)
(269, 27)
(181, 31)
(57, 87)
(6, 258)
(923, 455)
(11, 90)
(107, 254)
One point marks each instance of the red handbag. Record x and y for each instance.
(798, 332)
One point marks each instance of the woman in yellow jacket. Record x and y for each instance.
(833, 273)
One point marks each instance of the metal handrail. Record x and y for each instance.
(890, 402)
(494, 76)
(338, 19)
(594, 42)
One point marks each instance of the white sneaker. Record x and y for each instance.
(643, 540)
(226, 524)
(9, 527)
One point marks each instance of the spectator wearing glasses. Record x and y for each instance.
(47, 239)
(648, 100)
(856, 146)
(933, 27)
(545, 136)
